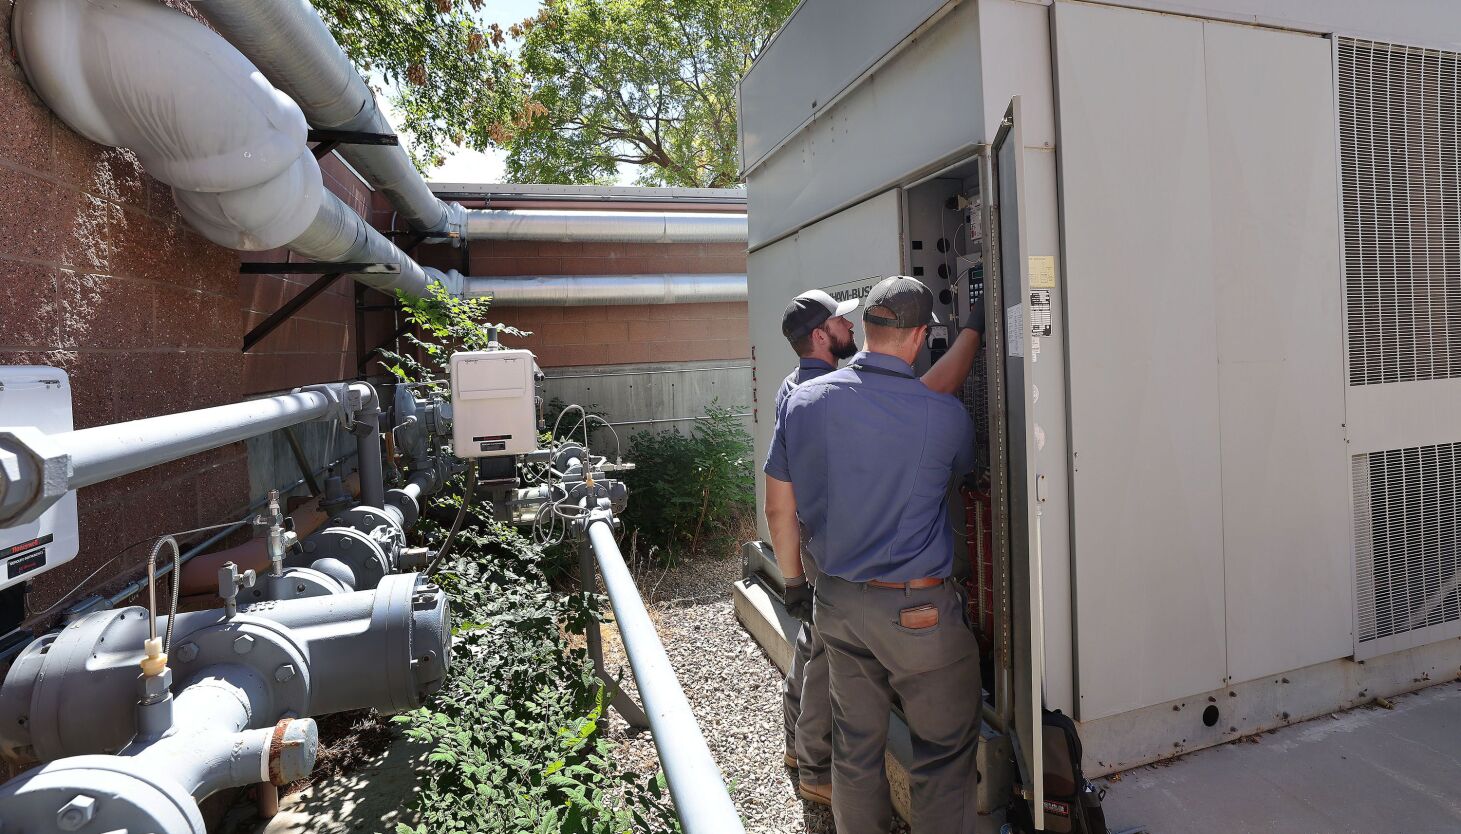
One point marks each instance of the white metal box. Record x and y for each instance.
(35, 395)
(493, 413)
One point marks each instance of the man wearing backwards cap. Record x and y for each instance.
(864, 457)
(816, 326)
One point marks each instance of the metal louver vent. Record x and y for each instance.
(1400, 155)
(1407, 530)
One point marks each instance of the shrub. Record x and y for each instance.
(687, 492)
(516, 732)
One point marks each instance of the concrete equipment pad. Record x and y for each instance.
(1366, 770)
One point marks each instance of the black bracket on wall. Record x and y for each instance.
(330, 139)
(329, 274)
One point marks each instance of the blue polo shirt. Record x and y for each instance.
(805, 369)
(870, 452)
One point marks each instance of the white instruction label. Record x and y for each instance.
(1014, 329)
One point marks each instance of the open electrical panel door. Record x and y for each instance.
(1019, 638)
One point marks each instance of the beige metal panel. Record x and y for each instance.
(923, 106)
(1015, 56)
(1403, 414)
(823, 47)
(1285, 470)
(1136, 213)
(862, 242)
(1418, 22)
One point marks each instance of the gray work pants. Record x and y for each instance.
(807, 700)
(933, 671)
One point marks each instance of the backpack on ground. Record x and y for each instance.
(1072, 805)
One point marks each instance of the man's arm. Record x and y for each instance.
(948, 374)
(785, 531)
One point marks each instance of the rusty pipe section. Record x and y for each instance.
(200, 574)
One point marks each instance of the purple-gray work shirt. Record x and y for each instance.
(870, 452)
(806, 368)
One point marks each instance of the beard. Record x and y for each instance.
(845, 348)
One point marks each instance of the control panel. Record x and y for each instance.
(494, 410)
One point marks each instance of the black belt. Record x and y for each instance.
(857, 366)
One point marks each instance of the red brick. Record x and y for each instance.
(28, 216)
(28, 295)
(92, 386)
(111, 174)
(90, 232)
(100, 311)
(27, 122)
(182, 317)
(160, 202)
(151, 383)
(216, 377)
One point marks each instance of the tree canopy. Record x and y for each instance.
(573, 92)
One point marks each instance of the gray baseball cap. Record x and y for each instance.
(811, 310)
(909, 301)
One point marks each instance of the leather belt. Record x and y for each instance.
(910, 585)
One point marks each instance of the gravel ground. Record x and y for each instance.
(734, 690)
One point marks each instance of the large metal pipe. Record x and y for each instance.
(203, 120)
(339, 235)
(606, 226)
(289, 43)
(695, 782)
(599, 290)
(37, 468)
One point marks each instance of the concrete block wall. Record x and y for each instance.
(100, 277)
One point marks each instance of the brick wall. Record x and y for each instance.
(99, 276)
(619, 334)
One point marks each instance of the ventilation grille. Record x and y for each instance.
(1407, 528)
(1400, 151)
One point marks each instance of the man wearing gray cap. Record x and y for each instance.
(864, 456)
(816, 326)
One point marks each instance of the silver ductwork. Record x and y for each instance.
(600, 290)
(606, 226)
(290, 45)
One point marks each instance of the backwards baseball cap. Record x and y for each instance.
(811, 310)
(907, 299)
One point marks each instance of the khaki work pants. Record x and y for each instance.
(933, 672)
(806, 698)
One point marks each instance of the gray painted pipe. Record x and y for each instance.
(289, 43)
(367, 447)
(104, 452)
(598, 290)
(606, 226)
(44, 467)
(695, 782)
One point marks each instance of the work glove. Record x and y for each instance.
(798, 599)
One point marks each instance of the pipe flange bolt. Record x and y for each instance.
(243, 645)
(76, 813)
(35, 472)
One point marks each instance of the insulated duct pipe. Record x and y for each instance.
(290, 45)
(598, 290)
(36, 469)
(606, 226)
(136, 74)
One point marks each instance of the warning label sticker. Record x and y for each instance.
(1014, 329)
(1040, 312)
